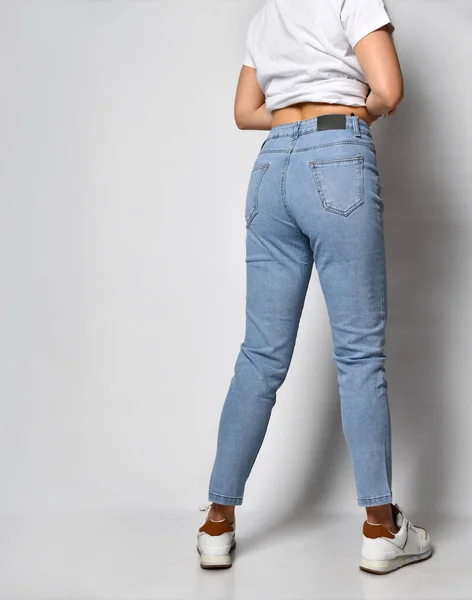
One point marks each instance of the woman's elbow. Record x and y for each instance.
(391, 97)
(394, 100)
(240, 120)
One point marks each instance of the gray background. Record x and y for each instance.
(123, 274)
(123, 267)
(122, 311)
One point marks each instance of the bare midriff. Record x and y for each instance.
(308, 110)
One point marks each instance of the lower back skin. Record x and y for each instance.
(308, 110)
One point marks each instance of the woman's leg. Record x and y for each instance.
(351, 267)
(350, 258)
(279, 266)
(341, 210)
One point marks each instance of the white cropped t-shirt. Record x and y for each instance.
(302, 50)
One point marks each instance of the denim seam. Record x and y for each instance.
(327, 145)
(356, 142)
(384, 287)
(283, 190)
(227, 497)
(255, 196)
(224, 496)
(385, 394)
(374, 497)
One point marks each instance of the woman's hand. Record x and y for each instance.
(371, 118)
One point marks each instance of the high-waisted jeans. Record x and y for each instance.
(313, 197)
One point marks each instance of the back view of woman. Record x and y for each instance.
(317, 74)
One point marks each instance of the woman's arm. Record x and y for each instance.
(249, 106)
(379, 61)
(378, 58)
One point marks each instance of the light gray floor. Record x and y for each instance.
(153, 556)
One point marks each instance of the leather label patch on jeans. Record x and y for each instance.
(325, 122)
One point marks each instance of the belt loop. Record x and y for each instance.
(355, 124)
(296, 130)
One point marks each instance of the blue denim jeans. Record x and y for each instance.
(313, 197)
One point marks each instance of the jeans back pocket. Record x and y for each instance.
(253, 191)
(340, 183)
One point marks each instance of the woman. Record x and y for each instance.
(317, 74)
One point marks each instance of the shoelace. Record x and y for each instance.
(408, 524)
(412, 527)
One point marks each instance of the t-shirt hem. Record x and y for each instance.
(346, 100)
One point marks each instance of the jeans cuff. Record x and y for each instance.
(376, 501)
(228, 500)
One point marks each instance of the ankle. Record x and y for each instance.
(389, 524)
(218, 512)
(382, 515)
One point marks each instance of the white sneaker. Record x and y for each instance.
(215, 541)
(384, 551)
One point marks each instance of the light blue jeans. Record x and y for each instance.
(313, 197)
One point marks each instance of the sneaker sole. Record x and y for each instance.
(223, 561)
(383, 567)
